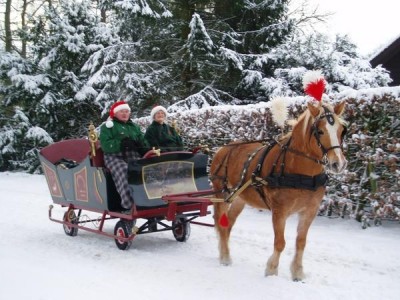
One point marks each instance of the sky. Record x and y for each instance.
(371, 25)
(39, 262)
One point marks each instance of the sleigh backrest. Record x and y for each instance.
(73, 149)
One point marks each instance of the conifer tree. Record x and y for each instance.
(44, 88)
(151, 65)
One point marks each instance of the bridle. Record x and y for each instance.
(314, 131)
(331, 120)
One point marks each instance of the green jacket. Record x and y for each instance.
(110, 138)
(164, 137)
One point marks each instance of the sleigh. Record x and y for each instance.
(170, 191)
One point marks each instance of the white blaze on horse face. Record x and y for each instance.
(341, 163)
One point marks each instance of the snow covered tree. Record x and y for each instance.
(17, 144)
(134, 69)
(44, 87)
(242, 32)
(175, 50)
(338, 61)
(20, 141)
(197, 57)
(61, 43)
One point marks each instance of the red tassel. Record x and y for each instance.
(316, 89)
(223, 221)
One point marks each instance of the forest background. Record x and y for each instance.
(63, 63)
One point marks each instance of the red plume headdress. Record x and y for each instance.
(314, 84)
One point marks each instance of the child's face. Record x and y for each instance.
(123, 115)
(159, 117)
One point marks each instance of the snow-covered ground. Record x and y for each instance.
(38, 261)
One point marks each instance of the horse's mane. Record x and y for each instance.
(304, 119)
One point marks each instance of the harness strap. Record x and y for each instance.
(282, 180)
(223, 177)
(241, 187)
(306, 156)
(297, 181)
(258, 168)
(274, 180)
(236, 192)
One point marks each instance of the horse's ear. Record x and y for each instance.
(314, 110)
(339, 108)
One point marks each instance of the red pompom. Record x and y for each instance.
(316, 89)
(223, 221)
(314, 84)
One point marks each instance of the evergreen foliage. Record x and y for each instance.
(44, 88)
(189, 50)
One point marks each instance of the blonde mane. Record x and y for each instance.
(305, 118)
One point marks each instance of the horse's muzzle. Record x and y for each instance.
(337, 166)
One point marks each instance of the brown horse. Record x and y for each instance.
(287, 178)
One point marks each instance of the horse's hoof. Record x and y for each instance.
(225, 262)
(270, 273)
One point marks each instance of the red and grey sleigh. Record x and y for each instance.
(170, 191)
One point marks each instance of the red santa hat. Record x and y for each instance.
(116, 107)
(156, 109)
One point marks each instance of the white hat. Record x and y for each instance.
(156, 109)
(116, 107)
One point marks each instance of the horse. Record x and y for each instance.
(287, 177)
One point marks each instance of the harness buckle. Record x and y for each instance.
(325, 159)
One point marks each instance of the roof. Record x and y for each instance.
(386, 53)
(389, 58)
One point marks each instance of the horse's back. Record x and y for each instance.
(233, 157)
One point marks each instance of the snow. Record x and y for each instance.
(38, 261)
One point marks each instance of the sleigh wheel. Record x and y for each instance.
(70, 216)
(181, 229)
(123, 229)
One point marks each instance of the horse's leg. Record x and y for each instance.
(296, 267)
(232, 211)
(222, 232)
(278, 223)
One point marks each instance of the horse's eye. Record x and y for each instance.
(320, 132)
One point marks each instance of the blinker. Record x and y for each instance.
(329, 116)
(330, 119)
